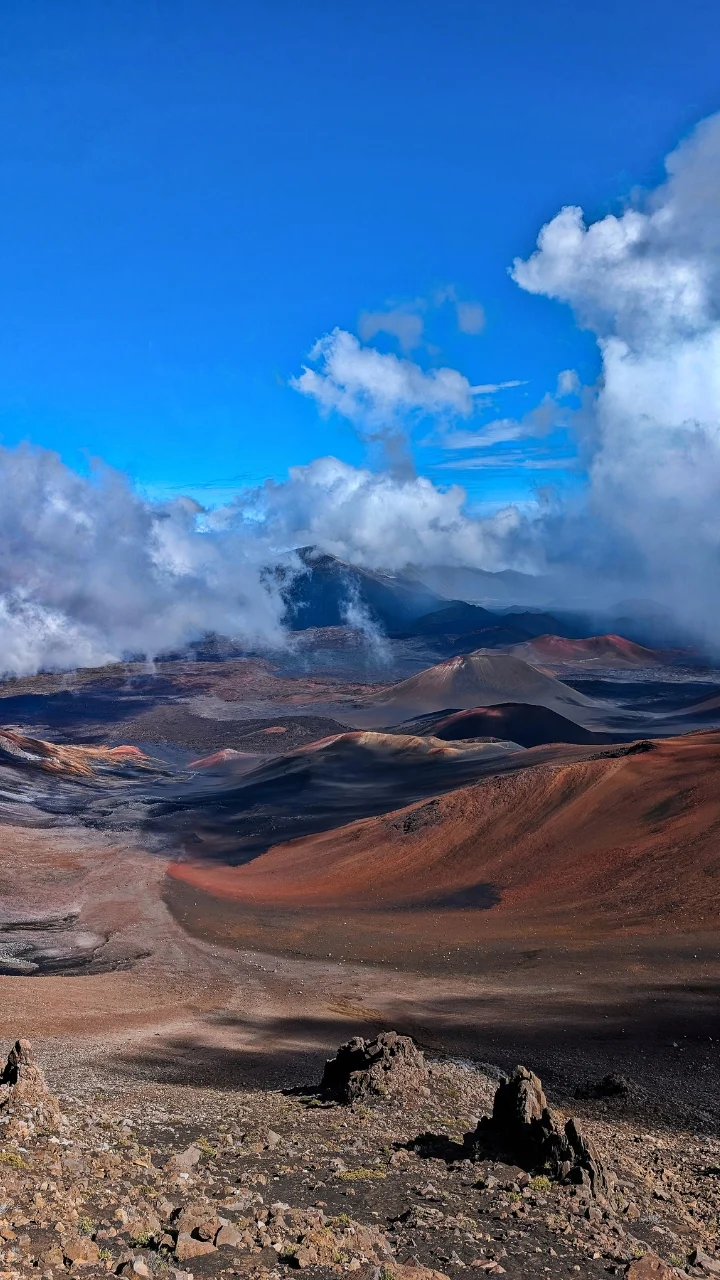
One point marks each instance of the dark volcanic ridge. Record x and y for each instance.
(530, 726)
(178, 726)
(232, 813)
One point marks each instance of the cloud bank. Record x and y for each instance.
(648, 283)
(90, 572)
(377, 519)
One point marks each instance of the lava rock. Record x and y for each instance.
(188, 1247)
(23, 1075)
(650, 1267)
(198, 1219)
(388, 1066)
(523, 1127)
(611, 1086)
(24, 1091)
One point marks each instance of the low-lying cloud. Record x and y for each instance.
(377, 519)
(90, 572)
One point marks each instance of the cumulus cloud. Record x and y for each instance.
(369, 387)
(376, 519)
(90, 572)
(648, 283)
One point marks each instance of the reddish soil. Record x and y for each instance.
(601, 651)
(624, 841)
(472, 680)
(17, 749)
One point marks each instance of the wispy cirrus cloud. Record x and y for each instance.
(515, 460)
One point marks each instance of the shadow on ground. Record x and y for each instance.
(661, 1044)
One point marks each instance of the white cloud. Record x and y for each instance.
(90, 572)
(379, 520)
(568, 384)
(404, 323)
(489, 388)
(369, 387)
(648, 282)
(499, 431)
(512, 460)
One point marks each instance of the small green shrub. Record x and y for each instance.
(13, 1159)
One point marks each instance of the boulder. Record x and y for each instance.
(22, 1074)
(650, 1267)
(524, 1129)
(80, 1251)
(698, 1258)
(188, 1247)
(388, 1066)
(143, 1225)
(229, 1237)
(24, 1091)
(184, 1161)
(198, 1219)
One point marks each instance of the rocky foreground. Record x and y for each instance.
(395, 1167)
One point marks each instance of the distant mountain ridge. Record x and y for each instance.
(600, 651)
(331, 592)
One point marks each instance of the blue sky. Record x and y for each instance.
(195, 191)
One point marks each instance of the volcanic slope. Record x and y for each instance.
(229, 813)
(622, 841)
(521, 722)
(593, 651)
(22, 753)
(473, 680)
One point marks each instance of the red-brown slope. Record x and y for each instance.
(599, 651)
(474, 680)
(52, 757)
(625, 840)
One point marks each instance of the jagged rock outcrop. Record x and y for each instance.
(388, 1066)
(523, 1126)
(24, 1094)
(22, 1074)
